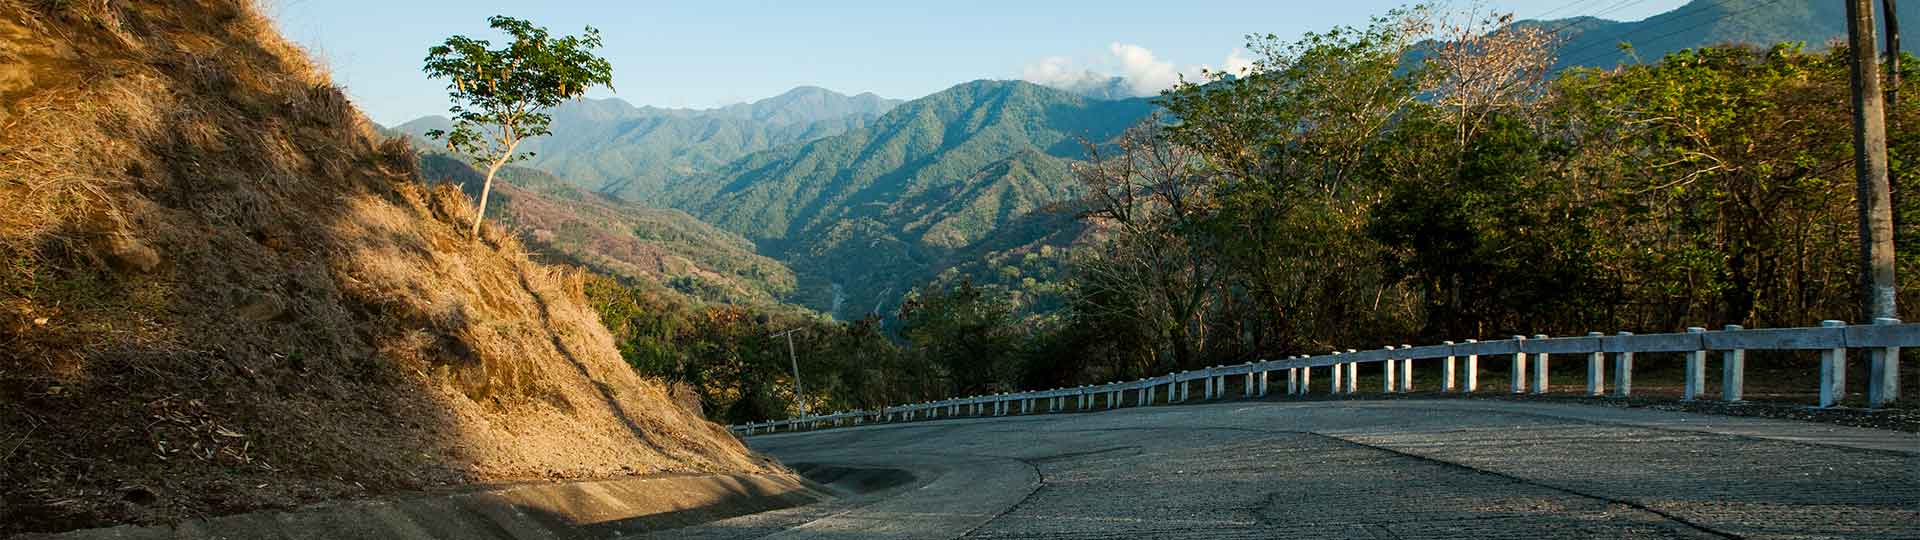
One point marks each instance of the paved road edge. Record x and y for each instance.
(595, 509)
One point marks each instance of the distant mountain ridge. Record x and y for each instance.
(613, 147)
(1595, 42)
(880, 209)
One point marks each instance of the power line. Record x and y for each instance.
(1678, 16)
(1574, 19)
(1656, 39)
(1543, 16)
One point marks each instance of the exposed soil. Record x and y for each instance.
(221, 292)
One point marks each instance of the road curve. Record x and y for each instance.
(1354, 469)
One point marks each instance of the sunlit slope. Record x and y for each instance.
(219, 291)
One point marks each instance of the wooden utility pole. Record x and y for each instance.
(1893, 101)
(1893, 53)
(798, 394)
(1870, 166)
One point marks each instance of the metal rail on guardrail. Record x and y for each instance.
(1880, 341)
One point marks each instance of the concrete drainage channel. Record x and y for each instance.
(854, 481)
(599, 509)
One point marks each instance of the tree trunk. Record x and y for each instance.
(486, 188)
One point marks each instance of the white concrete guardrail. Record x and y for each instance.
(1880, 341)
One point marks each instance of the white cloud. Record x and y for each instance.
(1145, 74)
(1239, 62)
(1139, 71)
(1060, 72)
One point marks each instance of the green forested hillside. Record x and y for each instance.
(1594, 42)
(612, 147)
(623, 239)
(868, 214)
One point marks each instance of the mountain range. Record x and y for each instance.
(864, 216)
(1595, 42)
(613, 147)
(865, 198)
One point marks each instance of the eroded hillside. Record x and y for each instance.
(220, 291)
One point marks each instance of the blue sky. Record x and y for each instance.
(714, 52)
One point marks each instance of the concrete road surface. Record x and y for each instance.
(1352, 469)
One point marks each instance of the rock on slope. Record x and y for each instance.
(219, 292)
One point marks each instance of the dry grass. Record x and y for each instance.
(220, 291)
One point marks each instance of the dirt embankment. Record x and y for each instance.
(219, 291)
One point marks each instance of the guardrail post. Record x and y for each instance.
(1406, 369)
(1387, 371)
(1519, 366)
(1733, 370)
(1696, 383)
(1114, 397)
(1471, 379)
(1596, 367)
(1246, 390)
(1263, 383)
(1293, 380)
(1353, 375)
(1623, 371)
(1339, 376)
(1148, 400)
(1540, 384)
(1883, 376)
(1833, 371)
(1446, 372)
(1306, 377)
(1216, 384)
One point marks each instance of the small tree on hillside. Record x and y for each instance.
(500, 95)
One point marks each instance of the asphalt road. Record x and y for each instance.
(1353, 469)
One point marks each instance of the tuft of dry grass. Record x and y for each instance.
(220, 291)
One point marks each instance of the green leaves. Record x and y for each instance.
(500, 94)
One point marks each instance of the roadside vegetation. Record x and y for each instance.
(1368, 186)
